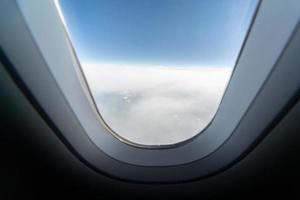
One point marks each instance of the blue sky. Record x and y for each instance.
(158, 32)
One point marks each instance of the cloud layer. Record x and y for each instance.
(156, 105)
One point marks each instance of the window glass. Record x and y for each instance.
(157, 69)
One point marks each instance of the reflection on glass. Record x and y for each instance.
(157, 69)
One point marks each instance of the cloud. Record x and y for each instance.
(155, 105)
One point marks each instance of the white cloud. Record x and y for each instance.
(156, 105)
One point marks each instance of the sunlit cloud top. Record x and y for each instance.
(156, 105)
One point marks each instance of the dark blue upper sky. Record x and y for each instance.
(158, 32)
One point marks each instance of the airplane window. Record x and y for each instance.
(157, 69)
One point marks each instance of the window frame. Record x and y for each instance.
(77, 120)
